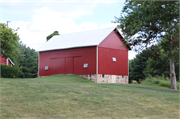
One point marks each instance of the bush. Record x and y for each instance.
(156, 81)
(165, 84)
(9, 72)
(168, 84)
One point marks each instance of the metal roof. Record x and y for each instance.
(78, 39)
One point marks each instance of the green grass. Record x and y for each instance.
(148, 85)
(61, 96)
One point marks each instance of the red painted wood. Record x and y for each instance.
(71, 61)
(69, 65)
(113, 41)
(107, 66)
(9, 63)
(56, 60)
(3, 61)
(112, 46)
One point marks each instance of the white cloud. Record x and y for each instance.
(46, 17)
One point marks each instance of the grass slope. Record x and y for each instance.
(61, 96)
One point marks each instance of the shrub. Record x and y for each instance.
(156, 81)
(9, 72)
(168, 84)
(165, 84)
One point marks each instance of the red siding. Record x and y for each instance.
(69, 61)
(113, 41)
(69, 65)
(3, 61)
(107, 66)
(9, 63)
(112, 46)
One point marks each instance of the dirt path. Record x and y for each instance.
(151, 89)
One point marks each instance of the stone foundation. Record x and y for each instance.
(103, 78)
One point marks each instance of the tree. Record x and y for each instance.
(137, 67)
(147, 22)
(9, 40)
(158, 61)
(30, 63)
(19, 58)
(51, 35)
(26, 61)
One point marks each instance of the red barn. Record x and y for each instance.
(98, 55)
(6, 61)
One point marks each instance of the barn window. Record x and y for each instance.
(113, 59)
(85, 65)
(122, 76)
(46, 67)
(90, 75)
(102, 75)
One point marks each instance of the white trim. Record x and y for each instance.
(128, 67)
(7, 62)
(38, 63)
(10, 61)
(96, 64)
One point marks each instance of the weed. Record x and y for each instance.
(26, 86)
(138, 116)
(78, 92)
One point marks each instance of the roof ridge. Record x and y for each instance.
(89, 30)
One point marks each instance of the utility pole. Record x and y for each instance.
(7, 23)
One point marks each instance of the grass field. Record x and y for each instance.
(61, 96)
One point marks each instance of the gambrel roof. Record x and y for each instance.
(78, 39)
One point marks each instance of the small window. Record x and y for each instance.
(102, 75)
(46, 67)
(122, 76)
(90, 75)
(85, 65)
(113, 59)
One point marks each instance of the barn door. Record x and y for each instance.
(69, 65)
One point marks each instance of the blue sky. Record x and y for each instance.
(37, 19)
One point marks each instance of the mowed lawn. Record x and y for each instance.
(62, 96)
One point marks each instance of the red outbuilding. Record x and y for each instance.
(99, 55)
(6, 61)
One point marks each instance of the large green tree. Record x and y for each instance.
(30, 63)
(26, 61)
(51, 35)
(9, 40)
(137, 67)
(158, 61)
(144, 23)
(19, 58)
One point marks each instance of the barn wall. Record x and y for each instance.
(3, 61)
(9, 63)
(69, 61)
(111, 47)
(107, 66)
(113, 41)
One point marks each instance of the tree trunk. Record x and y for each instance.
(172, 68)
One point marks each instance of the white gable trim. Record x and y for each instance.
(7, 63)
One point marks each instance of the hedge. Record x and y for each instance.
(9, 72)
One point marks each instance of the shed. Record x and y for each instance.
(6, 61)
(98, 55)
